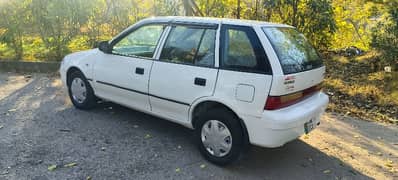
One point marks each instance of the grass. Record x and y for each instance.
(358, 86)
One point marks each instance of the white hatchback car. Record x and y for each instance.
(234, 82)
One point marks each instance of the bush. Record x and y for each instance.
(385, 36)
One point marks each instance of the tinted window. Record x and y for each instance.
(294, 51)
(141, 42)
(189, 45)
(242, 50)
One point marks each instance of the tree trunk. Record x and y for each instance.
(188, 8)
(238, 10)
(295, 9)
(256, 9)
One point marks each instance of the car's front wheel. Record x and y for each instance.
(80, 91)
(219, 136)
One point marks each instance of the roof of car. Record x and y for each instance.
(212, 20)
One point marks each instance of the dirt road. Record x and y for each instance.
(43, 137)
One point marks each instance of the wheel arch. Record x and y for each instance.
(71, 70)
(205, 104)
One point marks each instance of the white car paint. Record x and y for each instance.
(167, 90)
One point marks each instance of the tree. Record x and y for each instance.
(13, 22)
(315, 18)
(57, 22)
(385, 34)
(354, 20)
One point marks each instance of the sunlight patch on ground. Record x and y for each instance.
(12, 83)
(374, 153)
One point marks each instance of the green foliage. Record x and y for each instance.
(385, 35)
(57, 22)
(49, 29)
(315, 18)
(354, 20)
(12, 23)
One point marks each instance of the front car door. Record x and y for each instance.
(123, 75)
(184, 72)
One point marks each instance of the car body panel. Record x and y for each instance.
(173, 89)
(115, 78)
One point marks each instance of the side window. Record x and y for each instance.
(141, 42)
(190, 45)
(242, 50)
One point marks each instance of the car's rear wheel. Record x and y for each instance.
(80, 91)
(219, 136)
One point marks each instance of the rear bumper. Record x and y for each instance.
(277, 127)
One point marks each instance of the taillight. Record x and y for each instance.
(277, 102)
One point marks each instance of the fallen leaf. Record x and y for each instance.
(178, 170)
(202, 166)
(389, 164)
(70, 165)
(52, 167)
(327, 171)
(12, 110)
(147, 136)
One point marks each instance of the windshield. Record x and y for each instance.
(294, 51)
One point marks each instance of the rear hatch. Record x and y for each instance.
(303, 69)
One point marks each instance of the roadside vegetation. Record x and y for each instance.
(358, 38)
(357, 87)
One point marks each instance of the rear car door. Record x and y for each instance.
(184, 72)
(245, 74)
(123, 75)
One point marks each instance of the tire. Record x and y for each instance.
(222, 118)
(80, 101)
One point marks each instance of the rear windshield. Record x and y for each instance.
(294, 51)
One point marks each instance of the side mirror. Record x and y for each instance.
(105, 47)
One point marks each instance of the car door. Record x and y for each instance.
(122, 76)
(245, 74)
(184, 71)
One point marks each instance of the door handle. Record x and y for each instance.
(200, 81)
(139, 70)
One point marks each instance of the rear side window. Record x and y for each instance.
(190, 45)
(294, 51)
(242, 50)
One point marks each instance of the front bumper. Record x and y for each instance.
(277, 127)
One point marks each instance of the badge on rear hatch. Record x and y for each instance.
(289, 83)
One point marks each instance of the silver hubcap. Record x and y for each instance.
(78, 89)
(216, 138)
